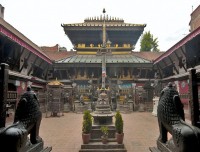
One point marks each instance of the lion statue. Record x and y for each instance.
(14, 138)
(170, 113)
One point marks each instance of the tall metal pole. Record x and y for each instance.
(103, 51)
(3, 92)
(103, 71)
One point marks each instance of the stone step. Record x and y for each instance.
(100, 145)
(99, 140)
(154, 149)
(103, 150)
(99, 126)
(96, 133)
(102, 106)
(47, 149)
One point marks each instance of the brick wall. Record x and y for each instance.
(195, 19)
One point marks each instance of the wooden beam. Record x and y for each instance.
(39, 64)
(164, 62)
(185, 68)
(180, 61)
(24, 62)
(160, 71)
(31, 68)
(18, 57)
(2, 50)
(46, 72)
(177, 72)
(183, 51)
(11, 52)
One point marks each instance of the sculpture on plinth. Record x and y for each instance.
(102, 114)
(185, 137)
(14, 138)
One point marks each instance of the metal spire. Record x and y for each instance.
(104, 29)
(103, 51)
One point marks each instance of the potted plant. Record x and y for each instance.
(104, 137)
(119, 127)
(87, 126)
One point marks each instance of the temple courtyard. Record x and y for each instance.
(64, 133)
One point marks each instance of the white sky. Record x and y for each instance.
(40, 20)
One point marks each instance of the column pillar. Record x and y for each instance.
(3, 92)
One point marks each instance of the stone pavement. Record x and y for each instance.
(64, 133)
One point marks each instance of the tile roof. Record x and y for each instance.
(55, 53)
(18, 37)
(51, 48)
(151, 56)
(98, 59)
(179, 44)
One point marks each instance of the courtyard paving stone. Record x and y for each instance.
(64, 133)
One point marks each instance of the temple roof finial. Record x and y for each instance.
(104, 11)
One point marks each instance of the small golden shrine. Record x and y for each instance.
(55, 97)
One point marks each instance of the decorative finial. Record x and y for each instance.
(104, 11)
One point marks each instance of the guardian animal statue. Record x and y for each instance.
(185, 137)
(27, 120)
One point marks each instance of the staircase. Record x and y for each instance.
(96, 145)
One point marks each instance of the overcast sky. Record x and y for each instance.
(40, 20)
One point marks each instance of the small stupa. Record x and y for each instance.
(102, 114)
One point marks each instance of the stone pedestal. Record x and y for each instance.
(162, 147)
(39, 147)
(130, 102)
(96, 145)
(155, 105)
(141, 107)
(102, 114)
(67, 107)
(89, 106)
(123, 108)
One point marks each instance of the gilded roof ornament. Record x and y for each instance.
(55, 83)
(104, 11)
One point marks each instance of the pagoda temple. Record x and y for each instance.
(125, 69)
(121, 63)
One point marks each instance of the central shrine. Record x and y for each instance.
(104, 50)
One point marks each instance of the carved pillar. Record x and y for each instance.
(3, 92)
(131, 73)
(194, 102)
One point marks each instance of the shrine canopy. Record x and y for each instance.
(55, 83)
(88, 35)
